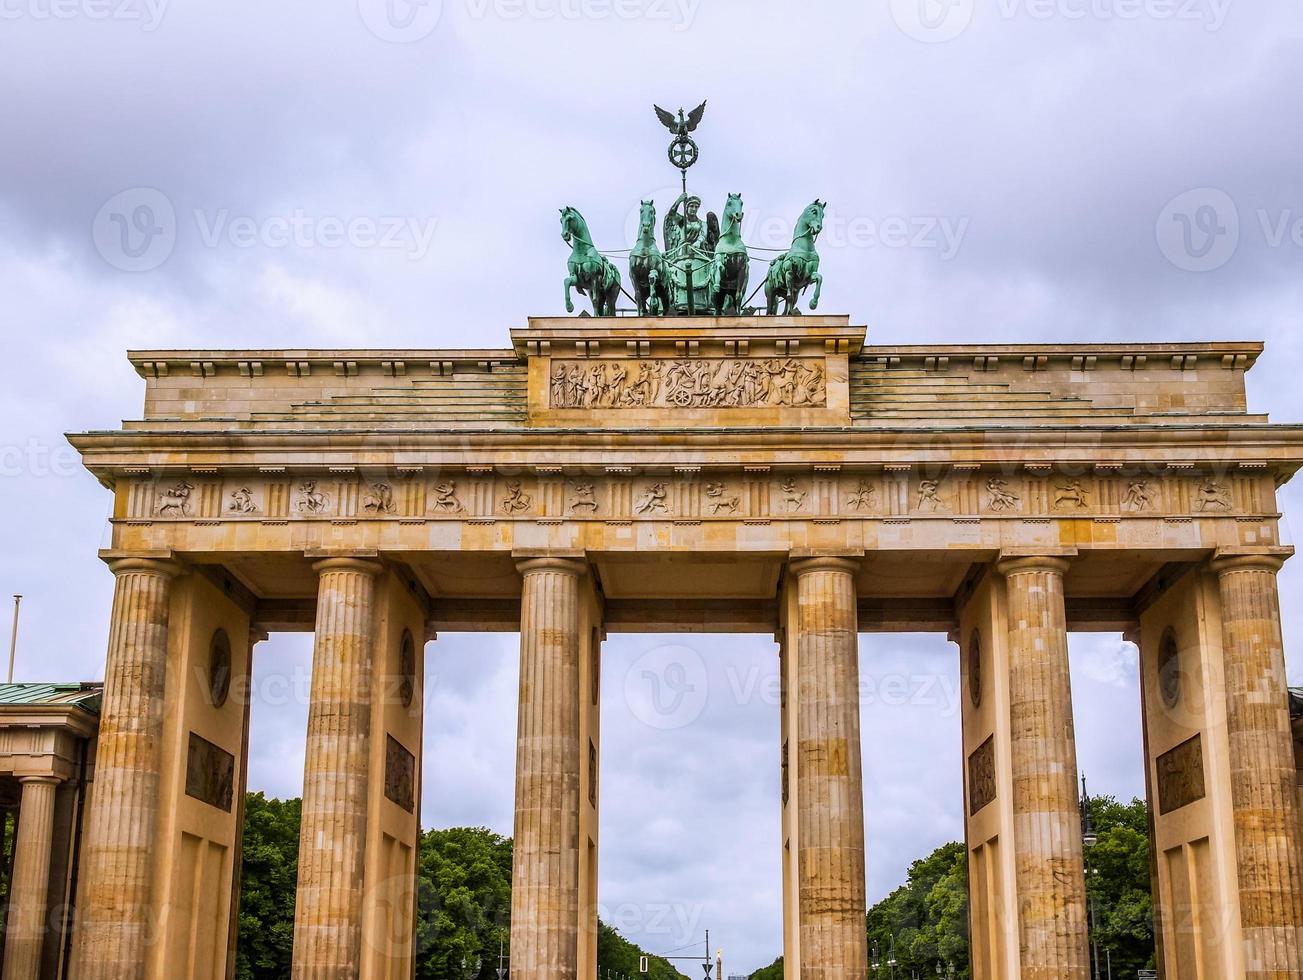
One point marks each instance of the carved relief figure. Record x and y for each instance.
(652, 500)
(1001, 497)
(1213, 496)
(379, 499)
(516, 500)
(1139, 496)
(312, 500)
(793, 495)
(242, 502)
(175, 502)
(690, 383)
(929, 498)
(719, 500)
(862, 498)
(445, 498)
(1073, 493)
(583, 497)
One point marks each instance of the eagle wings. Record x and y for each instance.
(677, 124)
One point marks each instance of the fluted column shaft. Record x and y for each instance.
(114, 931)
(30, 883)
(830, 782)
(332, 843)
(545, 873)
(1049, 872)
(1264, 795)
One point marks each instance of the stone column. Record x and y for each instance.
(545, 876)
(114, 931)
(1264, 797)
(1049, 873)
(332, 841)
(829, 778)
(30, 883)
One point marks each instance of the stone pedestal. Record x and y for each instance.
(113, 934)
(328, 916)
(30, 882)
(830, 795)
(545, 910)
(1049, 872)
(1264, 797)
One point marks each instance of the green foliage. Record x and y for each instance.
(463, 902)
(270, 875)
(774, 971)
(926, 918)
(617, 954)
(1118, 884)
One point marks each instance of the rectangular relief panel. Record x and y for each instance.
(1181, 776)
(210, 773)
(712, 383)
(981, 776)
(400, 775)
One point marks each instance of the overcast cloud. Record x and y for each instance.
(373, 173)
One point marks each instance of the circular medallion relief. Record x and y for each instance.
(219, 669)
(1169, 670)
(407, 670)
(975, 669)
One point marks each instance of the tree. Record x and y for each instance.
(1118, 885)
(617, 954)
(925, 921)
(464, 903)
(267, 888)
(774, 971)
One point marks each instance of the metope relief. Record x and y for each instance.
(379, 499)
(175, 501)
(999, 495)
(777, 382)
(312, 499)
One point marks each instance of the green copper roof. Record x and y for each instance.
(84, 696)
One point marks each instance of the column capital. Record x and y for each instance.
(122, 563)
(568, 564)
(348, 563)
(1263, 560)
(42, 780)
(1014, 565)
(824, 563)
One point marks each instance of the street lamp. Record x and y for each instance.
(891, 958)
(1089, 838)
(876, 962)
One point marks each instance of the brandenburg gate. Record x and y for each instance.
(764, 474)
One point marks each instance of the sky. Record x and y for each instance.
(377, 173)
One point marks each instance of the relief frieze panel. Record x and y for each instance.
(776, 382)
(691, 493)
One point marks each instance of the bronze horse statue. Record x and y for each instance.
(798, 268)
(731, 268)
(647, 271)
(591, 272)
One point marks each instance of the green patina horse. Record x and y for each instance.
(798, 268)
(647, 270)
(590, 272)
(731, 268)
